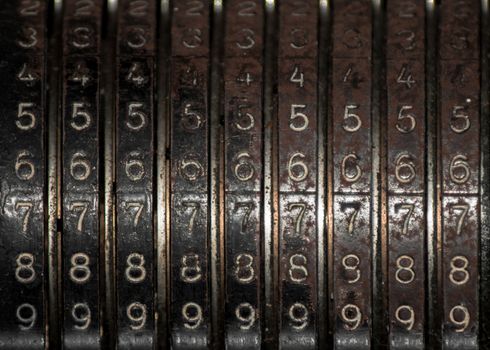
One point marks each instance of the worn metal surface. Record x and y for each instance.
(22, 169)
(80, 175)
(406, 158)
(244, 174)
(134, 167)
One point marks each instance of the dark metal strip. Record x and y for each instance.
(243, 130)
(459, 152)
(80, 181)
(190, 304)
(352, 138)
(22, 185)
(134, 168)
(297, 121)
(405, 142)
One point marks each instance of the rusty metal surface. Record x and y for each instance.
(244, 174)
(406, 158)
(459, 160)
(243, 171)
(350, 134)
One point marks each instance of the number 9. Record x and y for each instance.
(410, 321)
(351, 315)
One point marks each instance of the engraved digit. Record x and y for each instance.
(298, 314)
(460, 116)
(28, 210)
(351, 176)
(404, 268)
(192, 38)
(409, 208)
(79, 270)
(195, 8)
(137, 314)
(24, 168)
(406, 321)
(29, 7)
(26, 74)
(135, 271)
(244, 170)
(247, 9)
(81, 207)
(190, 120)
(405, 77)
(139, 206)
(83, 117)
(80, 168)
(404, 169)
(463, 324)
(248, 207)
(300, 175)
(136, 38)
(194, 207)
(464, 208)
(190, 270)
(298, 223)
(24, 272)
(459, 170)
(27, 321)
(190, 169)
(84, 8)
(356, 207)
(30, 34)
(246, 314)
(297, 269)
(244, 271)
(134, 168)
(241, 116)
(26, 119)
(81, 314)
(402, 116)
(136, 119)
(138, 8)
(248, 39)
(192, 315)
(297, 77)
(459, 270)
(352, 266)
(352, 122)
(294, 115)
(352, 316)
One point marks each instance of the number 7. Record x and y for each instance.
(28, 207)
(464, 208)
(248, 206)
(194, 207)
(76, 206)
(299, 219)
(139, 209)
(408, 207)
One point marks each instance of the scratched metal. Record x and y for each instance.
(459, 159)
(243, 48)
(350, 134)
(405, 94)
(189, 218)
(80, 175)
(22, 169)
(297, 125)
(134, 159)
